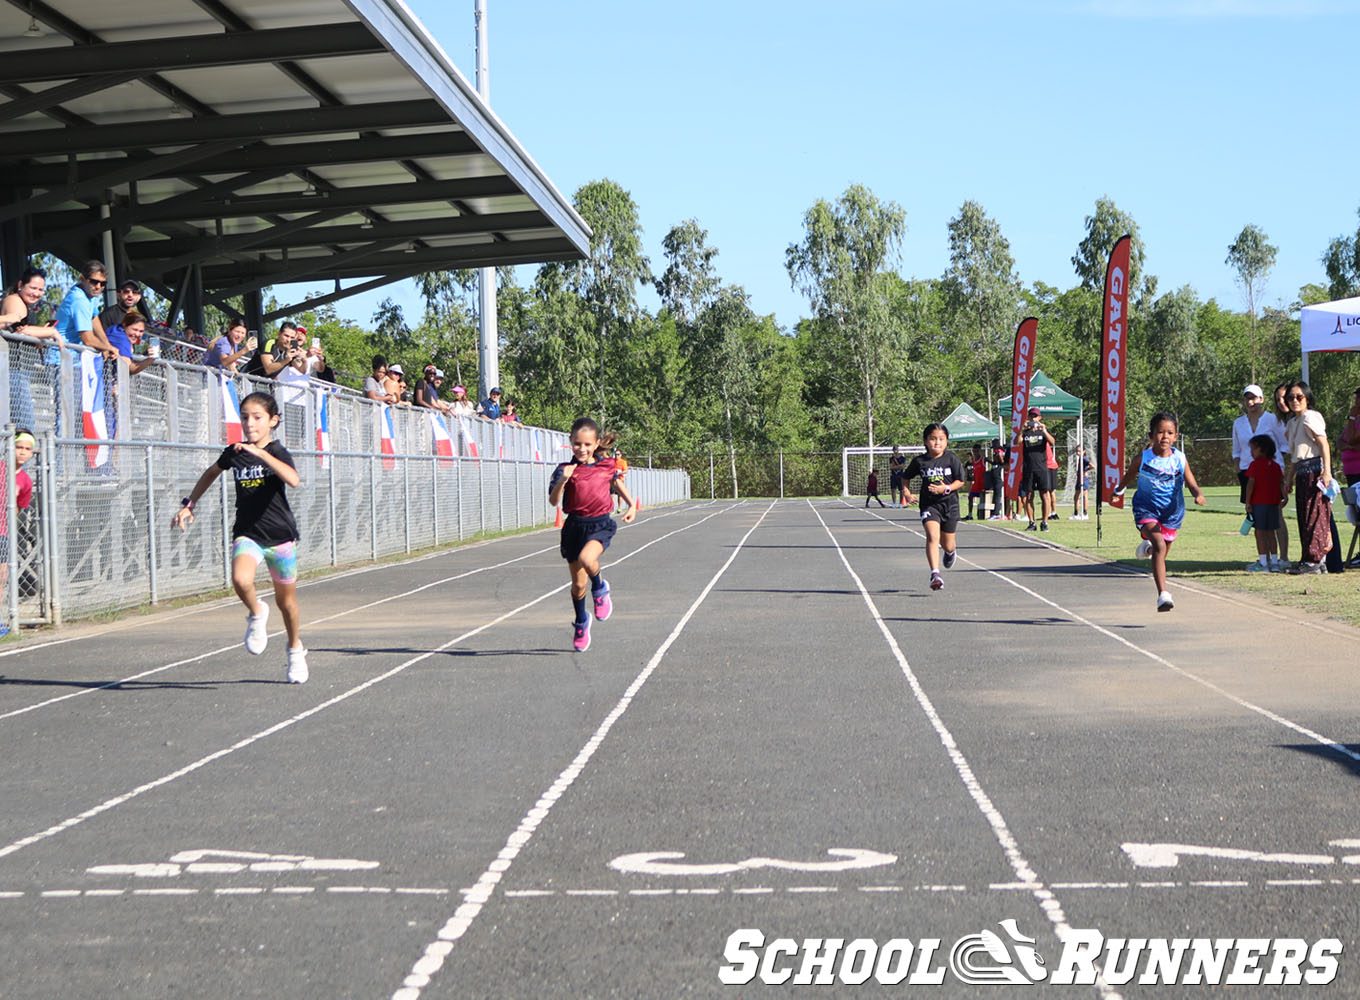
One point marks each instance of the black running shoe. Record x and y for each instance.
(949, 557)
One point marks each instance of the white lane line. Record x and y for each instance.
(457, 925)
(278, 727)
(318, 621)
(1092, 558)
(1047, 901)
(343, 574)
(1275, 717)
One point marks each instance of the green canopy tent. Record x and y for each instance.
(967, 424)
(1045, 394)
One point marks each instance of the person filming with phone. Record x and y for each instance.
(230, 348)
(1035, 441)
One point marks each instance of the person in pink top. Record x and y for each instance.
(585, 487)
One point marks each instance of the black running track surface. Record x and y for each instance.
(781, 729)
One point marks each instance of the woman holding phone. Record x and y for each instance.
(227, 350)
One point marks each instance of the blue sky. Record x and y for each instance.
(1196, 116)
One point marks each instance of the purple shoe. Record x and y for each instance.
(604, 607)
(581, 641)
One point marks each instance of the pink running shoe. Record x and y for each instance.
(581, 641)
(604, 607)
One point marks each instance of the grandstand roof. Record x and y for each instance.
(260, 142)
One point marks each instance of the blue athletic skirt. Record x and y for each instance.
(576, 531)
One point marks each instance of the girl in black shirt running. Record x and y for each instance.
(941, 475)
(265, 531)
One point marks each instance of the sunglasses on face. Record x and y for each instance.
(97, 282)
(1295, 396)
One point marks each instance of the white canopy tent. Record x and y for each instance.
(1329, 326)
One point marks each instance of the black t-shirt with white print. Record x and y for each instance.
(262, 511)
(1036, 447)
(945, 469)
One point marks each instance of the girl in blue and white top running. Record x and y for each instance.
(1162, 473)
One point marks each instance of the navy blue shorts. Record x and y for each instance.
(576, 531)
(1266, 516)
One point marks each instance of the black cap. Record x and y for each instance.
(134, 285)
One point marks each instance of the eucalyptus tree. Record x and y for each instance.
(1341, 261)
(1103, 230)
(983, 296)
(1251, 257)
(725, 362)
(839, 265)
(690, 280)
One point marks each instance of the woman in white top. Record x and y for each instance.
(1255, 420)
(1311, 457)
(461, 405)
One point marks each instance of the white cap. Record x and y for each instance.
(396, 368)
(1253, 390)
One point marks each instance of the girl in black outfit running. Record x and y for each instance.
(941, 475)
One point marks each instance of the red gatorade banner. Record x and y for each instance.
(1021, 367)
(1113, 358)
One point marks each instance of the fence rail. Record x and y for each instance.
(97, 537)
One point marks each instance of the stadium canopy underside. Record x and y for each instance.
(211, 148)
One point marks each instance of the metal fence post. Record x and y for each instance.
(500, 493)
(373, 507)
(406, 497)
(712, 482)
(781, 473)
(434, 494)
(330, 505)
(12, 515)
(481, 498)
(226, 530)
(458, 498)
(151, 524)
(171, 400)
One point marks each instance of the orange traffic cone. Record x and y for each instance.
(558, 522)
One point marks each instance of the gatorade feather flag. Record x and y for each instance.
(1113, 362)
(469, 442)
(388, 444)
(323, 427)
(92, 407)
(443, 444)
(231, 410)
(1022, 365)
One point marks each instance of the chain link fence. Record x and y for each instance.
(97, 536)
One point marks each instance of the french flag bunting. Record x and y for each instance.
(323, 427)
(498, 429)
(443, 443)
(92, 407)
(231, 410)
(538, 446)
(469, 442)
(388, 444)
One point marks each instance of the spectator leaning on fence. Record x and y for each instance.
(16, 310)
(229, 348)
(491, 406)
(129, 299)
(317, 366)
(126, 335)
(427, 390)
(461, 405)
(396, 375)
(374, 388)
(75, 315)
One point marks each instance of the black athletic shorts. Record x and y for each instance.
(1033, 480)
(946, 515)
(576, 531)
(1242, 486)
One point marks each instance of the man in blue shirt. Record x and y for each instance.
(75, 315)
(491, 406)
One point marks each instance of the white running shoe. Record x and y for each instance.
(1144, 550)
(1164, 601)
(257, 631)
(297, 665)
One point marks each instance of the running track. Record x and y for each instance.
(449, 807)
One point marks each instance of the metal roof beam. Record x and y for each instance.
(344, 265)
(95, 186)
(45, 100)
(225, 246)
(241, 128)
(233, 48)
(277, 238)
(344, 293)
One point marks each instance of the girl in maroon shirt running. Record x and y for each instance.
(585, 487)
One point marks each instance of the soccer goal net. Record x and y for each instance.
(1067, 499)
(857, 462)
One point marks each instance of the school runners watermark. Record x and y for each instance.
(1011, 958)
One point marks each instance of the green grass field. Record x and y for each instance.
(1210, 550)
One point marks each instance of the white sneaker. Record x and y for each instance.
(297, 665)
(257, 631)
(1144, 551)
(1164, 601)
